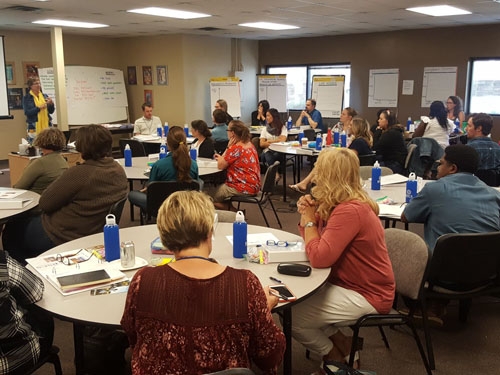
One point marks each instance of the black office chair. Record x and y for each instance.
(158, 191)
(220, 146)
(136, 147)
(51, 357)
(310, 134)
(463, 266)
(117, 209)
(490, 177)
(367, 159)
(264, 195)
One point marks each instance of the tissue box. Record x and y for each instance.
(11, 204)
(278, 254)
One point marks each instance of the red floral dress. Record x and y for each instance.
(243, 172)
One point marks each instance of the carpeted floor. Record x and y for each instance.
(471, 348)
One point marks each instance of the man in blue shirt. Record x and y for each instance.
(478, 130)
(311, 116)
(458, 202)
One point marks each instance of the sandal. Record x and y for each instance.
(277, 179)
(297, 189)
(356, 363)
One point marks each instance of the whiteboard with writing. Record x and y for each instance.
(94, 95)
(328, 91)
(383, 88)
(272, 87)
(227, 88)
(438, 84)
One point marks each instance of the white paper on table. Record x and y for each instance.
(393, 179)
(145, 137)
(256, 238)
(10, 193)
(392, 210)
(14, 204)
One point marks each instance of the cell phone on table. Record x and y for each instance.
(282, 292)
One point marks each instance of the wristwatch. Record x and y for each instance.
(310, 224)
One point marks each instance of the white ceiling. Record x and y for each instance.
(314, 17)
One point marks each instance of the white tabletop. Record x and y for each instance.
(140, 166)
(286, 148)
(108, 309)
(256, 130)
(26, 194)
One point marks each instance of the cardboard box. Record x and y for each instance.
(12, 204)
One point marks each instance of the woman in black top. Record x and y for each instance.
(259, 116)
(204, 143)
(389, 143)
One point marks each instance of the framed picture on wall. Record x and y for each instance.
(162, 75)
(15, 97)
(147, 75)
(148, 97)
(30, 69)
(132, 75)
(10, 72)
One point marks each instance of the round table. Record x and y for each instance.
(84, 309)
(6, 214)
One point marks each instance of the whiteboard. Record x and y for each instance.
(438, 84)
(272, 87)
(383, 88)
(328, 91)
(94, 95)
(227, 88)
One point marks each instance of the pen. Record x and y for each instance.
(278, 294)
(381, 199)
(275, 279)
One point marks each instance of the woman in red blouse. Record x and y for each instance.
(341, 230)
(195, 316)
(242, 163)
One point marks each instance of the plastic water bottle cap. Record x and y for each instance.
(166, 123)
(110, 219)
(376, 165)
(127, 147)
(412, 177)
(240, 217)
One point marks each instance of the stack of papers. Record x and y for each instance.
(393, 211)
(144, 138)
(10, 200)
(393, 179)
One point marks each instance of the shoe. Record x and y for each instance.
(297, 189)
(356, 363)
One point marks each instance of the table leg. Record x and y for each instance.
(287, 330)
(78, 343)
(283, 163)
(130, 188)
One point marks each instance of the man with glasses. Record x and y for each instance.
(458, 202)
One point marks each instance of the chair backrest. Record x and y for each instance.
(117, 209)
(367, 159)
(256, 144)
(220, 146)
(158, 191)
(136, 146)
(490, 177)
(233, 371)
(310, 134)
(224, 216)
(466, 260)
(409, 257)
(365, 171)
(269, 178)
(411, 148)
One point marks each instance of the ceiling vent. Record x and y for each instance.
(23, 8)
(210, 29)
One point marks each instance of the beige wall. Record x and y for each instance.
(191, 61)
(410, 51)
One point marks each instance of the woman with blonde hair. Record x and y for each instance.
(176, 166)
(242, 164)
(341, 230)
(41, 172)
(229, 322)
(222, 105)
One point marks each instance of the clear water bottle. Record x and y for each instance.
(376, 173)
(111, 239)
(408, 124)
(411, 187)
(239, 236)
(127, 154)
(159, 130)
(289, 123)
(165, 128)
(163, 149)
(319, 141)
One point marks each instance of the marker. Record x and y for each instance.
(278, 294)
(381, 199)
(275, 279)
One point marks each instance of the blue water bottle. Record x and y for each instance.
(411, 188)
(343, 139)
(239, 236)
(457, 126)
(159, 130)
(376, 172)
(186, 130)
(300, 136)
(289, 123)
(127, 154)
(163, 149)
(111, 239)
(336, 136)
(165, 128)
(408, 124)
(319, 141)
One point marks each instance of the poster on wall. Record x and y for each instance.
(383, 88)
(147, 75)
(148, 97)
(30, 70)
(438, 84)
(161, 75)
(131, 75)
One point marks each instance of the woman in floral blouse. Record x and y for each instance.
(242, 164)
(195, 316)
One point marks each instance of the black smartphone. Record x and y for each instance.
(282, 292)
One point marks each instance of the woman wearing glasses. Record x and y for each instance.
(341, 230)
(229, 322)
(242, 164)
(454, 109)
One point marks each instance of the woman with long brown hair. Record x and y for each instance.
(275, 131)
(176, 166)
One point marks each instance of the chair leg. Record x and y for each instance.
(384, 337)
(54, 359)
(275, 213)
(354, 344)
(263, 214)
(308, 354)
(427, 365)
(427, 334)
(464, 306)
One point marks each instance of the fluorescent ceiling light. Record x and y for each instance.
(268, 26)
(85, 25)
(172, 13)
(439, 10)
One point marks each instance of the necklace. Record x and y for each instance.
(150, 130)
(196, 257)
